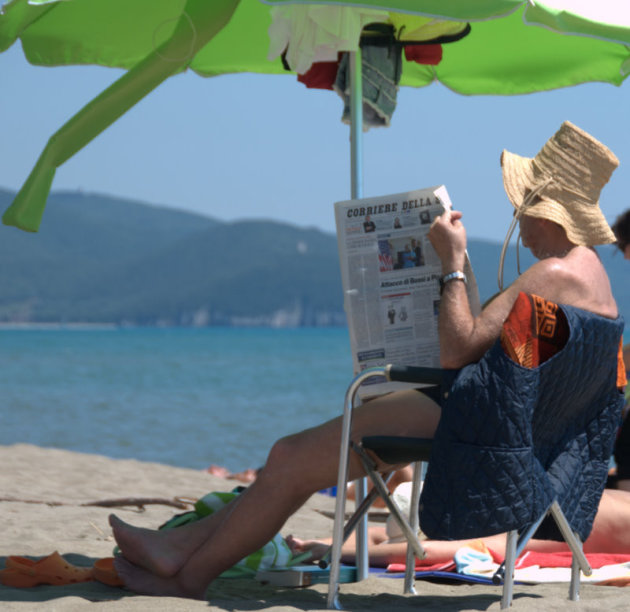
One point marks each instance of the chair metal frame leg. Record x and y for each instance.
(414, 523)
(579, 561)
(359, 518)
(516, 543)
(574, 585)
(362, 560)
(410, 534)
(508, 577)
(342, 479)
(352, 522)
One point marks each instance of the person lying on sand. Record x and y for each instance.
(610, 534)
(184, 561)
(247, 476)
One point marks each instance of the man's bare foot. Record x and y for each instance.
(139, 580)
(154, 551)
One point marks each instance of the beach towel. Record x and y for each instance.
(475, 563)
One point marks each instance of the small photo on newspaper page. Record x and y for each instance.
(390, 275)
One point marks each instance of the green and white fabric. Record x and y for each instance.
(274, 555)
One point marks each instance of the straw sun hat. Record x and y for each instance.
(564, 181)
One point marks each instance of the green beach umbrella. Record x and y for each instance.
(514, 47)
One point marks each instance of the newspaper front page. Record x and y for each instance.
(390, 275)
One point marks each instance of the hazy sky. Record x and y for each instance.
(256, 146)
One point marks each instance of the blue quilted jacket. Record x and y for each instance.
(511, 439)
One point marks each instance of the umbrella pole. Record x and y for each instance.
(356, 170)
(356, 124)
(356, 190)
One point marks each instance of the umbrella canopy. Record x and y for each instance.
(154, 39)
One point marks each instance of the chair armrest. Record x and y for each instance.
(415, 374)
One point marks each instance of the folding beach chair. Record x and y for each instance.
(519, 449)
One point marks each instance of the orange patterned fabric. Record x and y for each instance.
(621, 367)
(534, 331)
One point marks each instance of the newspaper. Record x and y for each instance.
(390, 275)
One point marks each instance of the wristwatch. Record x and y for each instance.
(451, 276)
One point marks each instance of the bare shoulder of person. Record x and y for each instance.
(578, 279)
(553, 279)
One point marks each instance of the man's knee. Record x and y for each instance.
(283, 455)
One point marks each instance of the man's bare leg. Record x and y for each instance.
(297, 466)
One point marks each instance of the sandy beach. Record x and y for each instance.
(42, 494)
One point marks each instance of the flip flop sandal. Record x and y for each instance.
(54, 569)
(105, 572)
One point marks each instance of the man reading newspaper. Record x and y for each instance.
(556, 198)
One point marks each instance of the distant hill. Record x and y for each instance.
(101, 259)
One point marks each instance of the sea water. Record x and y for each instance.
(184, 397)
